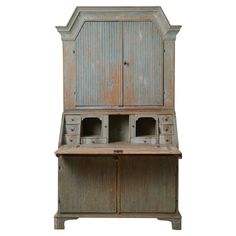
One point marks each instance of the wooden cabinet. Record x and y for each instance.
(118, 152)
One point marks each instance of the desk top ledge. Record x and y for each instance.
(112, 149)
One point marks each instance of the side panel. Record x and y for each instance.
(169, 73)
(69, 74)
(148, 184)
(99, 65)
(87, 184)
(143, 72)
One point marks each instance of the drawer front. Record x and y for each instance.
(72, 129)
(166, 119)
(72, 119)
(71, 139)
(166, 129)
(165, 139)
(142, 140)
(93, 140)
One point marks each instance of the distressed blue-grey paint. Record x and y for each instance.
(143, 76)
(99, 65)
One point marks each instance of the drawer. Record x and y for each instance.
(72, 119)
(71, 139)
(166, 129)
(165, 139)
(144, 140)
(72, 129)
(166, 119)
(93, 140)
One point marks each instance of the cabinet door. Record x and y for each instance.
(99, 64)
(87, 184)
(148, 184)
(143, 72)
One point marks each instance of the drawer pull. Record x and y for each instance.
(118, 151)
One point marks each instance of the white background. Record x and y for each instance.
(31, 107)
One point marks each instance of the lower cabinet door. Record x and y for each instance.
(148, 184)
(87, 184)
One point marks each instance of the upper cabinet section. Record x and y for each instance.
(118, 57)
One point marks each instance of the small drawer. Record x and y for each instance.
(144, 140)
(93, 140)
(71, 139)
(166, 129)
(165, 139)
(166, 119)
(72, 129)
(72, 119)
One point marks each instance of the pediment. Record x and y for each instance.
(84, 14)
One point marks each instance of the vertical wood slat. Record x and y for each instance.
(143, 76)
(99, 65)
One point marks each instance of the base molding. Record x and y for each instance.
(174, 218)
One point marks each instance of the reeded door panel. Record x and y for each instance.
(143, 72)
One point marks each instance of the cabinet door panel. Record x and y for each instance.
(143, 72)
(99, 65)
(148, 184)
(87, 184)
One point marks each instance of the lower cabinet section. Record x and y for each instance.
(116, 185)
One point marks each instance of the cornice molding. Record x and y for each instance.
(83, 14)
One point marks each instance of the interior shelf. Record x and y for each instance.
(118, 128)
(91, 127)
(146, 127)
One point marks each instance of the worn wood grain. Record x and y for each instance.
(69, 74)
(143, 75)
(99, 65)
(148, 184)
(110, 149)
(87, 184)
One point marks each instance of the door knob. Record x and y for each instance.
(126, 63)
